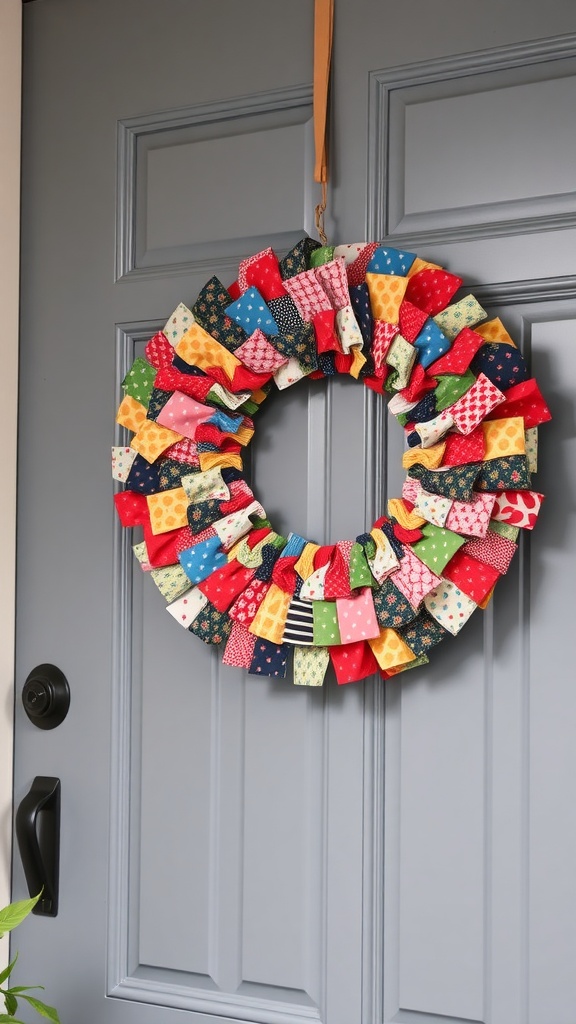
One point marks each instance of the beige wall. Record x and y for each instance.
(10, 55)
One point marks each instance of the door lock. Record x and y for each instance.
(46, 696)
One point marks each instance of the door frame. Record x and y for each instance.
(10, 120)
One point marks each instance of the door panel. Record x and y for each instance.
(231, 847)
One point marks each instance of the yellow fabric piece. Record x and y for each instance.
(494, 330)
(503, 437)
(168, 510)
(358, 361)
(259, 396)
(390, 650)
(131, 414)
(386, 295)
(305, 564)
(419, 265)
(210, 459)
(429, 457)
(271, 616)
(243, 435)
(409, 520)
(152, 439)
(198, 348)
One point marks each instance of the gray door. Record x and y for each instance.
(234, 848)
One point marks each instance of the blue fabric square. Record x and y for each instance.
(360, 299)
(251, 312)
(386, 260)
(144, 476)
(504, 365)
(200, 560)
(431, 343)
(269, 659)
(225, 422)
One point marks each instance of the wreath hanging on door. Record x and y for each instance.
(458, 386)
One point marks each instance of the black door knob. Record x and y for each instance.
(46, 696)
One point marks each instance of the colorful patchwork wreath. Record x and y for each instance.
(457, 384)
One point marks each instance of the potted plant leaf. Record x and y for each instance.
(10, 917)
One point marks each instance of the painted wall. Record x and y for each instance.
(10, 68)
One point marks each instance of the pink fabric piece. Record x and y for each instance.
(383, 335)
(414, 579)
(493, 550)
(411, 489)
(259, 355)
(308, 294)
(183, 414)
(520, 508)
(184, 451)
(471, 518)
(357, 617)
(332, 277)
(239, 649)
(474, 406)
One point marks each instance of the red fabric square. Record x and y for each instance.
(419, 384)
(263, 272)
(169, 379)
(463, 448)
(132, 508)
(356, 270)
(474, 578)
(432, 290)
(411, 320)
(459, 356)
(159, 351)
(224, 585)
(353, 662)
(524, 400)
(163, 548)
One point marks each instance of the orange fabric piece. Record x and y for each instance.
(198, 348)
(210, 459)
(386, 295)
(168, 510)
(494, 330)
(390, 650)
(131, 414)
(152, 439)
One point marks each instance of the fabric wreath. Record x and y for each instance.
(457, 384)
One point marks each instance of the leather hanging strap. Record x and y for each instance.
(323, 31)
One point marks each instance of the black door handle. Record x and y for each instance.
(38, 834)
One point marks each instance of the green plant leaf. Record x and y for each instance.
(8, 970)
(19, 989)
(9, 1020)
(11, 1002)
(14, 914)
(43, 1009)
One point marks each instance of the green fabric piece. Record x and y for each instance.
(310, 664)
(326, 631)
(322, 255)
(401, 358)
(437, 547)
(209, 312)
(403, 418)
(212, 626)
(298, 259)
(415, 663)
(360, 575)
(392, 608)
(423, 634)
(507, 474)
(505, 529)
(370, 548)
(466, 313)
(171, 581)
(456, 482)
(451, 387)
(139, 381)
